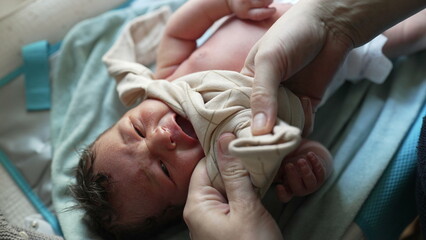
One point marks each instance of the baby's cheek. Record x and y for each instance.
(186, 160)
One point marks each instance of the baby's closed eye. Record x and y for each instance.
(165, 170)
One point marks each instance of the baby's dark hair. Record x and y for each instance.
(91, 192)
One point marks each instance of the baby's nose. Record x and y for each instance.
(161, 139)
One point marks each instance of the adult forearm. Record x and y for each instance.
(314, 37)
(362, 20)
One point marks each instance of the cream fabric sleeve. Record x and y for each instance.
(215, 102)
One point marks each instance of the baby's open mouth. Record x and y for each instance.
(186, 126)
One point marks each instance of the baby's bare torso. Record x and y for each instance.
(229, 46)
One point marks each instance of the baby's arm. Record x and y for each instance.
(191, 21)
(304, 171)
(406, 37)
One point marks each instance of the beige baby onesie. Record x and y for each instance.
(214, 102)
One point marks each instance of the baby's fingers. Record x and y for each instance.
(308, 177)
(294, 180)
(246, 4)
(252, 9)
(284, 194)
(258, 14)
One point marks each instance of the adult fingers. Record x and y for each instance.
(201, 196)
(235, 177)
(198, 181)
(200, 185)
(287, 47)
(265, 89)
(199, 177)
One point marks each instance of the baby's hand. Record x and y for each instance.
(300, 176)
(251, 9)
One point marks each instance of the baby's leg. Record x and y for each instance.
(304, 171)
(406, 37)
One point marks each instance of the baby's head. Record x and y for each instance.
(135, 176)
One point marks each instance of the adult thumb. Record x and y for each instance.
(236, 178)
(263, 101)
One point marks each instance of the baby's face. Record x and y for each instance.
(149, 158)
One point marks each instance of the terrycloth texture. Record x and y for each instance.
(14, 205)
(11, 232)
(214, 102)
(14, 209)
(7, 232)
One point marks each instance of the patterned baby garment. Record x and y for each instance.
(214, 102)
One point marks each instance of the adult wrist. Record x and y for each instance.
(359, 21)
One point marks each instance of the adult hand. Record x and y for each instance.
(309, 42)
(239, 215)
(299, 42)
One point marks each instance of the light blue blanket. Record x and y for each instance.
(85, 102)
(363, 126)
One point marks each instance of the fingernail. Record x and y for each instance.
(259, 121)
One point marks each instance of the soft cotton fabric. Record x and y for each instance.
(85, 103)
(362, 126)
(214, 102)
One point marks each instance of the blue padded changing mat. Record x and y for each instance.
(391, 206)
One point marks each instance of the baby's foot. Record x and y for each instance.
(301, 176)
